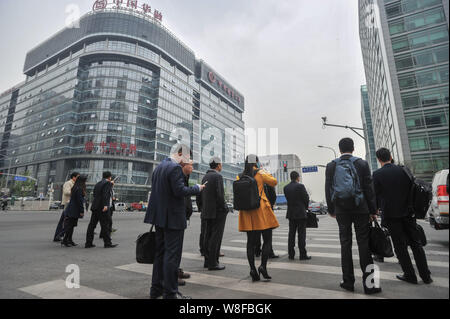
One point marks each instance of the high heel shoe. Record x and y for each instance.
(263, 271)
(255, 276)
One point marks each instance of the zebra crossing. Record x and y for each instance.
(317, 278)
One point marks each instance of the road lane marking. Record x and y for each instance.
(57, 290)
(265, 288)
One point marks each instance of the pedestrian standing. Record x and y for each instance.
(166, 211)
(74, 210)
(258, 221)
(392, 189)
(101, 212)
(66, 194)
(271, 195)
(351, 200)
(214, 212)
(297, 201)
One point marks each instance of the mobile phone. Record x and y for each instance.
(206, 183)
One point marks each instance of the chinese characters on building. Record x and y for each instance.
(112, 148)
(128, 4)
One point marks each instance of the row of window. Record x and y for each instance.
(407, 6)
(423, 78)
(425, 98)
(416, 21)
(428, 141)
(420, 39)
(422, 58)
(426, 119)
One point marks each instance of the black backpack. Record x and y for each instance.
(246, 194)
(420, 196)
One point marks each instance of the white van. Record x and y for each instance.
(120, 207)
(438, 211)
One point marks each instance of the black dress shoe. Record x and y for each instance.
(274, 256)
(57, 240)
(427, 280)
(347, 287)
(407, 279)
(217, 267)
(183, 275)
(73, 244)
(371, 291)
(111, 246)
(181, 282)
(89, 246)
(378, 259)
(305, 257)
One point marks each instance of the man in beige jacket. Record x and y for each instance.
(67, 190)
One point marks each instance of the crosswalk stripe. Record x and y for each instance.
(241, 249)
(285, 244)
(384, 275)
(57, 290)
(265, 288)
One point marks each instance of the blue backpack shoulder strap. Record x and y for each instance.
(353, 159)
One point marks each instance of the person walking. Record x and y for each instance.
(297, 201)
(101, 206)
(392, 188)
(258, 221)
(351, 200)
(74, 210)
(214, 211)
(166, 211)
(66, 194)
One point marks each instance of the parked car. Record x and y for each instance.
(438, 210)
(55, 205)
(314, 208)
(136, 207)
(120, 207)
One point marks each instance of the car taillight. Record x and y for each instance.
(442, 190)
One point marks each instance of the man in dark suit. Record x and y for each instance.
(166, 211)
(298, 201)
(392, 187)
(101, 212)
(358, 209)
(214, 212)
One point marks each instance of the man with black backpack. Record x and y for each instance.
(393, 187)
(351, 200)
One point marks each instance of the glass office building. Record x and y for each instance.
(371, 156)
(116, 94)
(405, 46)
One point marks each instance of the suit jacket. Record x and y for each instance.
(76, 204)
(166, 206)
(368, 205)
(102, 195)
(212, 199)
(297, 200)
(392, 187)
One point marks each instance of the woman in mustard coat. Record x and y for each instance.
(258, 221)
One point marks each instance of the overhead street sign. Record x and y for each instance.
(310, 169)
(20, 178)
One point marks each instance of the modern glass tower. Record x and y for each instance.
(405, 46)
(371, 157)
(116, 94)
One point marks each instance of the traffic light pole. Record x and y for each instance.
(324, 119)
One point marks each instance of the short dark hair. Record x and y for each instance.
(74, 174)
(214, 162)
(384, 155)
(107, 175)
(346, 145)
(294, 175)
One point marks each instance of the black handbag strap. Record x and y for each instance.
(151, 229)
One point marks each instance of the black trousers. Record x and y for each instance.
(60, 228)
(169, 247)
(403, 233)
(297, 226)
(252, 239)
(213, 239)
(105, 219)
(361, 224)
(69, 225)
(202, 236)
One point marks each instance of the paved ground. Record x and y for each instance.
(32, 266)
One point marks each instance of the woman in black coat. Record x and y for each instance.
(74, 210)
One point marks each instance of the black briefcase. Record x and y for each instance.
(146, 248)
(311, 220)
(380, 241)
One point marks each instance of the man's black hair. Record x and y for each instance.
(384, 155)
(214, 162)
(294, 175)
(107, 175)
(74, 174)
(346, 145)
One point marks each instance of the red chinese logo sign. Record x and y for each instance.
(214, 80)
(128, 5)
(112, 148)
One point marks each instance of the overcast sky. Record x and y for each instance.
(293, 60)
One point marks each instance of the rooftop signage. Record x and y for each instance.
(128, 5)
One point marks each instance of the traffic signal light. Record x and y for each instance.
(285, 167)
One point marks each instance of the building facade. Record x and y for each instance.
(405, 46)
(371, 156)
(275, 165)
(116, 94)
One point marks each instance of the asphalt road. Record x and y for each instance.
(32, 266)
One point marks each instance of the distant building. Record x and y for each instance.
(275, 165)
(371, 156)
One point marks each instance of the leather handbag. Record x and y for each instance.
(311, 220)
(146, 247)
(380, 241)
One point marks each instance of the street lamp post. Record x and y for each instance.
(325, 123)
(330, 148)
